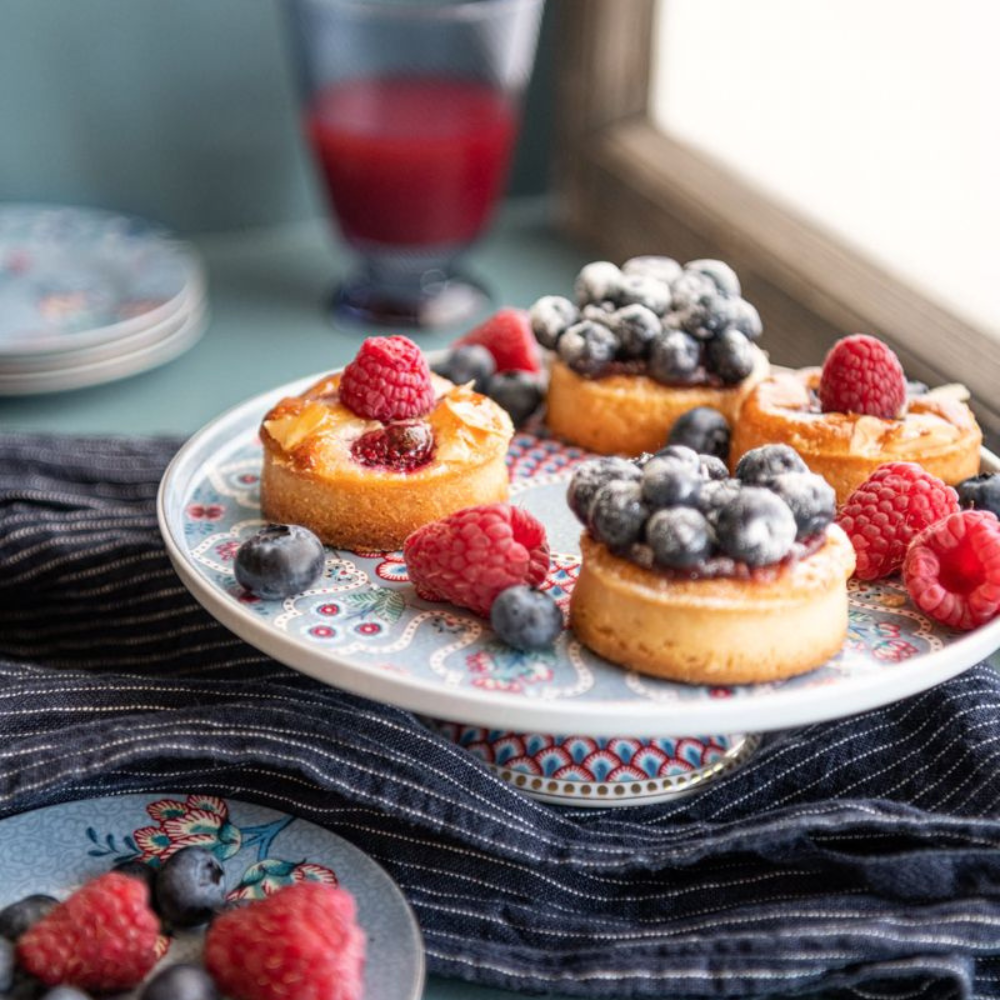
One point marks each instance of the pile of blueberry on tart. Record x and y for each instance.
(692, 574)
(643, 344)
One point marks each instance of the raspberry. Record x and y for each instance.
(387, 380)
(397, 447)
(862, 375)
(470, 556)
(508, 337)
(881, 517)
(102, 938)
(303, 942)
(952, 569)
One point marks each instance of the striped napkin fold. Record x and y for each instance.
(857, 858)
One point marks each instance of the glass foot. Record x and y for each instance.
(601, 772)
(431, 299)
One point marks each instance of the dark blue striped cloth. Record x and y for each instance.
(852, 859)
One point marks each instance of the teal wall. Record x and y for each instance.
(180, 110)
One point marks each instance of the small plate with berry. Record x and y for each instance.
(467, 621)
(196, 897)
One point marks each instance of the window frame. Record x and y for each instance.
(624, 188)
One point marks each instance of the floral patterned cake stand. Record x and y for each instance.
(56, 849)
(363, 629)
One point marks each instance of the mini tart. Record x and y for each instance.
(310, 478)
(714, 631)
(938, 432)
(630, 414)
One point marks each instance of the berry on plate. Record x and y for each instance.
(181, 982)
(507, 335)
(16, 918)
(526, 618)
(861, 374)
(704, 429)
(469, 557)
(952, 569)
(102, 938)
(467, 363)
(387, 380)
(882, 516)
(279, 560)
(980, 492)
(519, 393)
(303, 942)
(190, 887)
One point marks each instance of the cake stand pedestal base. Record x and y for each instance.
(587, 771)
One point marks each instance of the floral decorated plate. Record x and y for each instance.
(54, 850)
(72, 278)
(364, 629)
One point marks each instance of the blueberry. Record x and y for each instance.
(745, 318)
(279, 561)
(66, 993)
(761, 464)
(140, 870)
(708, 317)
(674, 358)
(636, 328)
(589, 477)
(588, 348)
(550, 317)
(755, 527)
(810, 498)
(667, 482)
(680, 537)
(16, 918)
(981, 492)
(180, 982)
(468, 363)
(7, 964)
(526, 618)
(519, 393)
(688, 457)
(190, 887)
(690, 289)
(704, 429)
(712, 468)
(618, 514)
(641, 290)
(599, 312)
(664, 269)
(723, 276)
(715, 494)
(597, 281)
(730, 355)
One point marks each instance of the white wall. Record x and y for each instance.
(878, 118)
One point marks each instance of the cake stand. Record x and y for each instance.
(550, 723)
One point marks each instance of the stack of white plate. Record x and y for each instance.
(88, 297)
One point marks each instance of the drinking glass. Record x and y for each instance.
(412, 111)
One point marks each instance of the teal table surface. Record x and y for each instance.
(266, 290)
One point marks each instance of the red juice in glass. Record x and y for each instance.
(412, 161)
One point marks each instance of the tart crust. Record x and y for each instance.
(310, 478)
(938, 432)
(714, 631)
(631, 414)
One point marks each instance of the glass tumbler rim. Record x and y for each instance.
(466, 10)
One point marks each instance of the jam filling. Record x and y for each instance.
(404, 446)
(720, 567)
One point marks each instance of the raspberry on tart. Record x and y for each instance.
(709, 581)
(362, 482)
(642, 346)
(935, 429)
